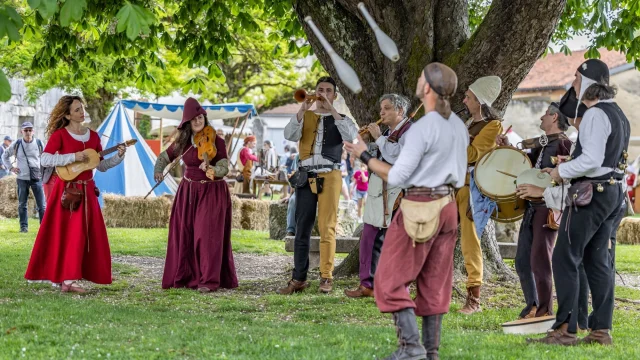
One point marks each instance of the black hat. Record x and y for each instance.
(596, 70)
(569, 103)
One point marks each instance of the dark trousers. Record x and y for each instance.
(371, 242)
(23, 196)
(584, 236)
(585, 320)
(533, 260)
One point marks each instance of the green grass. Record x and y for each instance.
(134, 319)
(628, 259)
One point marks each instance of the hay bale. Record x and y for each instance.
(9, 198)
(255, 215)
(236, 213)
(136, 212)
(629, 231)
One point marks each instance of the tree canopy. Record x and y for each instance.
(217, 42)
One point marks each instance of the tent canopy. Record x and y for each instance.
(134, 176)
(171, 111)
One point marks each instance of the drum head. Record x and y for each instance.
(534, 177)
(496, 172)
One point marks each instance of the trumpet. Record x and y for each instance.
(301, 95)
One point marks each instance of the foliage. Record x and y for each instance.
(135, 319)
(144, 126)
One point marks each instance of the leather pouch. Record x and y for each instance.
(422, 219)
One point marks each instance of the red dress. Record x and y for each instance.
(199, 249)
(71, 245)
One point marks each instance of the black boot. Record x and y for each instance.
(409, 347)
(431, 330)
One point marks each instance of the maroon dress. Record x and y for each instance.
(199, 251)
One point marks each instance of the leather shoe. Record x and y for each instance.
(73, 287)
(291, 234)
(293, 286)
(601, 337)
(559, 336)
(326, 285)
(361, 291)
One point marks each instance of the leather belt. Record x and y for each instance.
(319, 167)
(435, 192)
(202, 181)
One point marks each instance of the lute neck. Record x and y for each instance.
(110, 150)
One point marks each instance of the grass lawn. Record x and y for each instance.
(134, 319)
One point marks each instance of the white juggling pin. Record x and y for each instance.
(387, 46)
(345, 72)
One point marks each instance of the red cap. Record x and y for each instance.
(191, 109)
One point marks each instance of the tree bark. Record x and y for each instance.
(507, 44)
(351, 264)
(98, 106)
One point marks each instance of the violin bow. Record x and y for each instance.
(175, 162)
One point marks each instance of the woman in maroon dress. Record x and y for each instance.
(199, 251)
(72, 245)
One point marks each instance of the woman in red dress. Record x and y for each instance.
(72, 245)
(199, 251)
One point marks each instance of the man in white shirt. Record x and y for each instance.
(431, 163)
(381, 198)
(27, 152)
(318, 181)
(587, 223)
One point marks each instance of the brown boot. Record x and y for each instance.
(293, 286)
(559, 336)
(530, 314)
(360, 292)
(326, 285)
(601, 337)
(473, 301)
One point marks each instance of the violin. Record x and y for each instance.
(205, 142)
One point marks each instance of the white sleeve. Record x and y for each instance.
(49, 160)
(553, 196)
(347, 128)
(595, 128)
(107, 164)
(293, 130)
(390, 151)
(409, 159)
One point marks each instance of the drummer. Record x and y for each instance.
(536, 238)
(483, 126)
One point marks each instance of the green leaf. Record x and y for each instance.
(72, 10)
(134, 19)
(48, 8)
(8, 26)
(35, 4)
(5, 87)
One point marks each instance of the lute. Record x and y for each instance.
(71, 171)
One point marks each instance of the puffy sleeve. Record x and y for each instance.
(484, 141)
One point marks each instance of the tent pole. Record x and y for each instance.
(160, 133)
(235, 126)
(242, 129)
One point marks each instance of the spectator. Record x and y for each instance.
(4, 171)
(27, 152)
(361, 178)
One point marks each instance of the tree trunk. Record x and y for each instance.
(98, 106)
(507, 44)
(351, 264)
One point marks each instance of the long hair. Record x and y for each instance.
(185, 134)
(57, 119)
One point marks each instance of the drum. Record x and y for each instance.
(534, 177)
(509, 210)
(496, 172)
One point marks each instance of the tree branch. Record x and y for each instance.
(506, 44)
(251, 87)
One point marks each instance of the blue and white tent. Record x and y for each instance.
(134, 176)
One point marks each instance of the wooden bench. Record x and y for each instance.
(344, 245)
(508, 250)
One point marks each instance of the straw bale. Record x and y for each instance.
(629, 231)
(236, 213)
(136, 212)
(255, 214)
(9, 198)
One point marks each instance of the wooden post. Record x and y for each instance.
(160, 133)
(235, 126)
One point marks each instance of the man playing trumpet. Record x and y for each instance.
(382, 200)
(318, 180)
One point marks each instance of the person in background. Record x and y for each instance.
(631, 180)
(286, 155)
(361, 178)
(4, 171)
(291, 200)
(345, 172)
(246, 159)
(27, 152)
